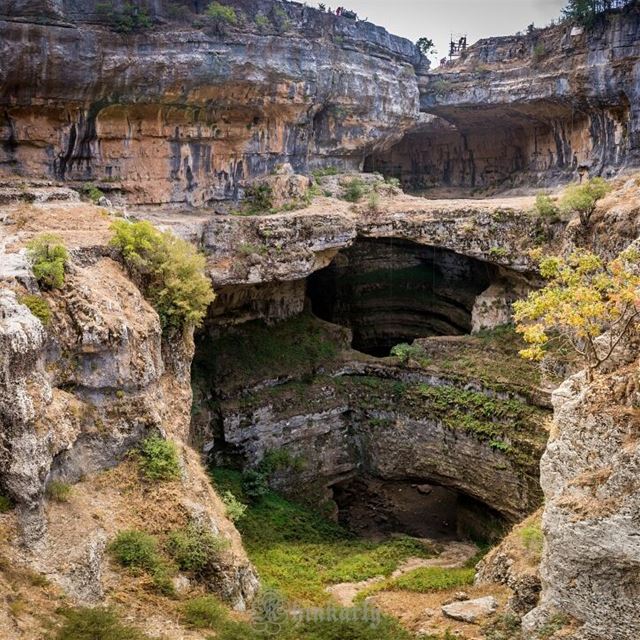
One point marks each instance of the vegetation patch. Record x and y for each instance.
(205, 612)
(48, 258)
(59, 491)
(159, 459)
(38, 306)
(97, 623)
(139, 552)
(128, 18)
(423, 580)
(196, 549)
(170, 271)
(354, 190)
(299, 552)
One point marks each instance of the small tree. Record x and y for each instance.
(426, 46)
(581, 11)
(582, 300)
(582, 198)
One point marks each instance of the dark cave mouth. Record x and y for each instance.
(374, 508)
(390, 291)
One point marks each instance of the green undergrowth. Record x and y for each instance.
(256, 351)
(299, 552)
(491, 357)
(423, 580)
(341, 623)
(86, 623)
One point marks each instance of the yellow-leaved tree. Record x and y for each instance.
(583, 298)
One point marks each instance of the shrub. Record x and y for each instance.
(546, 207)
(92, 192)
(234, 508)
(38, 306)
(136, 550)
(279, 459)
(195, 549)
(373, 202)
(254, 485)
(406, 352)
(48, 257)
(59, 491)
(159, 459)
(205, 612)
(538, 51)
(95, 624)
(354, 190)
(259, 197)
(262, 22)
(582, 198)
(532, 539)
(129, 18)
(221, 14)
(5, 504)
(170, 270)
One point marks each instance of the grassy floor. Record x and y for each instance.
(299, 553)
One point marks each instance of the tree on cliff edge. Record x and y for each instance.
(583, 299)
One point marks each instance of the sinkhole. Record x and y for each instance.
(375, 508)
(389, 291)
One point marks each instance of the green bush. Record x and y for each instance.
(135, 550)
(48, 257)
(59, 491)
(354, 190)
(171, 272)
(95, 624)
(407, 352)
(582, 198)
(262, 22)
(221, 14)
(139, 551)
(254, 484)
(159, 459)
(234, 508)
(127, 19)
(196, 549)
(92, 192)
(259, 197)
(205, 612)
(5, 504)
(546, 207)
(38, 306)
(343, 626)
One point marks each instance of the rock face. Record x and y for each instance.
(175, 113)
(589, 472)
(538, 108)
(75, 399)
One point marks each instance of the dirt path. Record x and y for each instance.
(454, 554)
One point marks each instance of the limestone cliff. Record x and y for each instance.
(182, 114)
(528, 109)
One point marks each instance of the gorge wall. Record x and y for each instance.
(539, 108)
(201, 110)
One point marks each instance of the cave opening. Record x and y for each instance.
(390, 291)
(374, 508)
